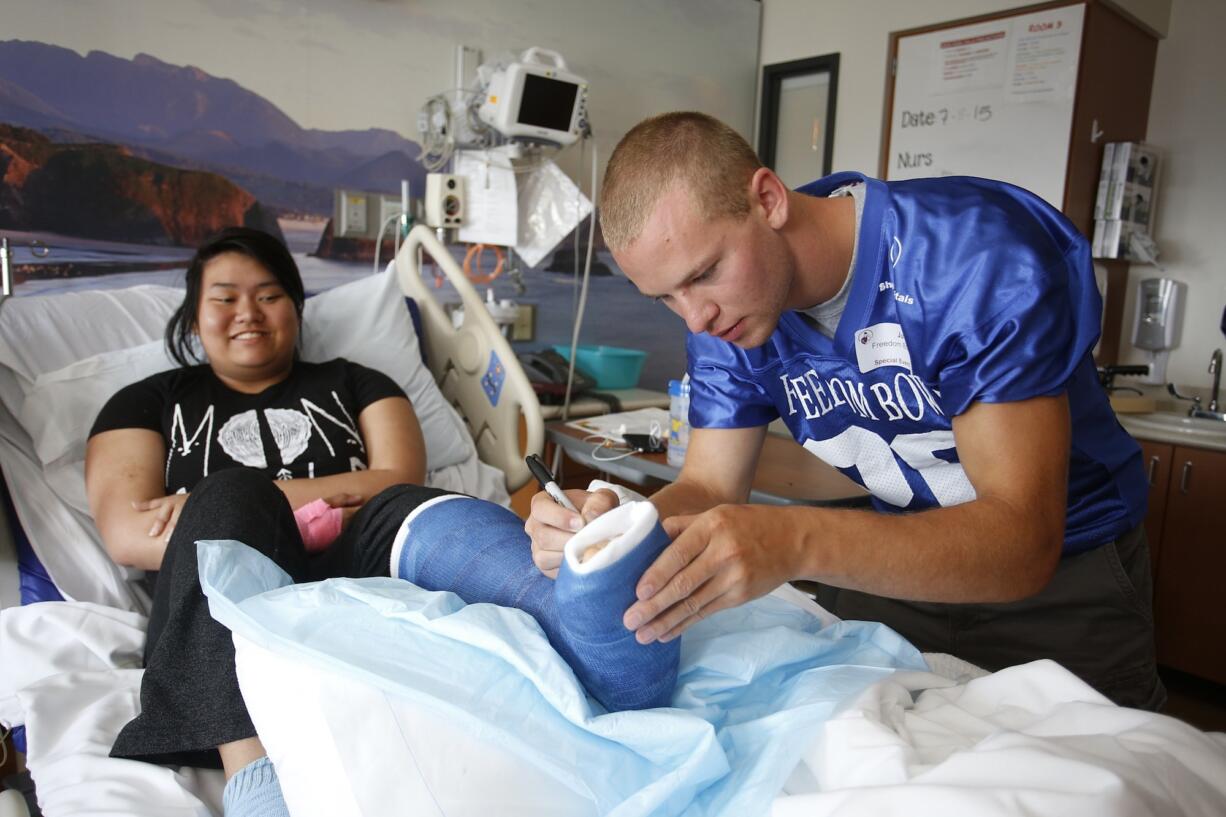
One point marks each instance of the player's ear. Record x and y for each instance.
(768, 192)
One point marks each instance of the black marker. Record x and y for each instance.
(548, 484)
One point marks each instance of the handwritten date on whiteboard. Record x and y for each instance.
(944, 116)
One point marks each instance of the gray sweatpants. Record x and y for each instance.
(1095, 617)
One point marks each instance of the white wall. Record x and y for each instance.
(1152, 14)
(1187, 118)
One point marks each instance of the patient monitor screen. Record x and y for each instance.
(547, 103)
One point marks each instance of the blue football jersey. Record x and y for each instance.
(964, 290)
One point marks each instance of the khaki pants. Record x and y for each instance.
(1095, 617)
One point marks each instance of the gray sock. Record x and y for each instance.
(254, 791)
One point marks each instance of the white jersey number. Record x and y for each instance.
(873, 457)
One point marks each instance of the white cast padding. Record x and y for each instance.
(623, 493)
(625, 526)
(402, 533)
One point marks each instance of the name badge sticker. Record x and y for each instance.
(882, 344)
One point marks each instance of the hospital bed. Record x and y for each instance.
(782, 709)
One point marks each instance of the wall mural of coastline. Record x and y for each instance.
(146, 153)
(130, 131)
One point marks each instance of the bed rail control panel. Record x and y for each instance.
(470, 362)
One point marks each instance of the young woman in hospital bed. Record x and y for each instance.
(233, 447)
(260, 447)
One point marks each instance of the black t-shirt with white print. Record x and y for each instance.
(305, 426)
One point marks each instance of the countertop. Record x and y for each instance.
(1176, 429)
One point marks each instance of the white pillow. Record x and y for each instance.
(61, 406)
(365, 321)
(44, 333)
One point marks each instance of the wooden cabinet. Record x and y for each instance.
(1188, 538)
(1157, 458)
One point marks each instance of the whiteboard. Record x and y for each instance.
(991, 99)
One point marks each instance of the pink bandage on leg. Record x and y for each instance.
(319, 524)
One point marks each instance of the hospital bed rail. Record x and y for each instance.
(474, 366)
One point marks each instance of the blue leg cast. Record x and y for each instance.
(479, 551)
(592, 596)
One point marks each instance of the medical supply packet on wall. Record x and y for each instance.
(550, 206)
(1126, 203)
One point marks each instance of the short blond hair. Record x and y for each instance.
(705, 156)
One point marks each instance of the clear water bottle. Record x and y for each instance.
(678, 420)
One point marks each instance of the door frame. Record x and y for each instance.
(772, 83)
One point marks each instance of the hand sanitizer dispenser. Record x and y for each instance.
(1158, 321)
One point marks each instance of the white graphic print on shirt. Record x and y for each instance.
(292, 432)
(351, 427)
(240, 438)
(182, 444)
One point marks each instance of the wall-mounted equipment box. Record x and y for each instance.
(360, 214)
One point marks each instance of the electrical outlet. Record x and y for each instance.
(524, 327)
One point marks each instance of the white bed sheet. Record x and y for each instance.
(1028, 740)
(70, 672)
(1031, 739)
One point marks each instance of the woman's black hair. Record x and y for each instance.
(266, 250)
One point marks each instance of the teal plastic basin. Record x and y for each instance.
(613, 366)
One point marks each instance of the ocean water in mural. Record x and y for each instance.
(610, 297)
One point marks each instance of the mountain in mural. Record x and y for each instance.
(103, 191)
(188, 118)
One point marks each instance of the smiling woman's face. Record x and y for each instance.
(247, 323)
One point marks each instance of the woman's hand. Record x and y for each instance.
(348, 503)
(166, 510)
(321, 520)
